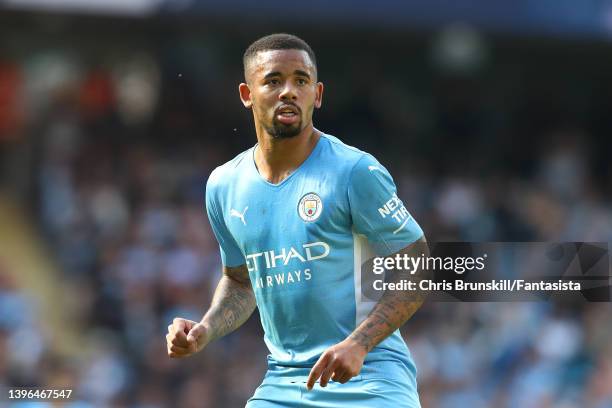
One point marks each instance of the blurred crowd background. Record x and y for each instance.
(110, 126)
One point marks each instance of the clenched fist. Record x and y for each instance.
(185, 337)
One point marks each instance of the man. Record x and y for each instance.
(294, 217)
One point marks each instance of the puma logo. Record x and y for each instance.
(234, 213)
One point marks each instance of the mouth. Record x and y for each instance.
(287, 114)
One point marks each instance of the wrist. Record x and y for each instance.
(360, 346)
(207, 335)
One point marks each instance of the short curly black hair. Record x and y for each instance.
(278, 41)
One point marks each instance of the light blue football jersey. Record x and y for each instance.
(304, 240)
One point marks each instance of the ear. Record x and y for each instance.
(245, 95)
(318, 95)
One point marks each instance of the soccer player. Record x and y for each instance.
(295, 216)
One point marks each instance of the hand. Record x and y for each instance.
(340, 362)
(185, 337)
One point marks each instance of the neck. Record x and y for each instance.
(277, 158)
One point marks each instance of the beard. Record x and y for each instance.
(279, 130)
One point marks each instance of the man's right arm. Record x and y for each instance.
(232, 304)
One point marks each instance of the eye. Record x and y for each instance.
(302, 81)
(273, 81)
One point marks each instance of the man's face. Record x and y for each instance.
(282, 90)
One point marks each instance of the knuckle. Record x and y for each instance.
(178, 350)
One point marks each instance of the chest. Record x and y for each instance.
(306, 209)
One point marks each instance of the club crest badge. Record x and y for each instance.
(310, 207)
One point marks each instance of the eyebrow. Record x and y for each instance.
(301, 73)
(272, 74)
(296, 72)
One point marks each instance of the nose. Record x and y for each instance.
(288, 92)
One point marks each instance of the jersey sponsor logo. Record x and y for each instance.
(237, 214)
(272, 259)
(395, 208)
(283, 278)
(310, 207)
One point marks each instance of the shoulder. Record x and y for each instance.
(225, 174)
(354, 160)
(342, 154)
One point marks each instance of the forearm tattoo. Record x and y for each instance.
(392, 310)
(232, 304)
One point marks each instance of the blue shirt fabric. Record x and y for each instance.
(304, 240)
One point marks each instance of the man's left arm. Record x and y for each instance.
(394, 308)
(344, 360)
(380, 215)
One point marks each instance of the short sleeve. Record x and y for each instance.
(231, 255)
(377, 211)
